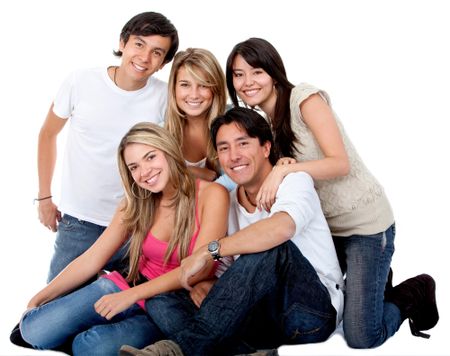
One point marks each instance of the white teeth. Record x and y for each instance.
(192, 103)
(138, 67)
(251, 92)
(152, 179)
(238, 168)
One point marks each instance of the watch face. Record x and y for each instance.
(213, 246)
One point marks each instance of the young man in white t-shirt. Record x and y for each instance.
(286, 285)
(101, 105)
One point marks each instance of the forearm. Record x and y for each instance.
(168, 282)
(325, 168)
(203, 173)
(46, 162)
(260, 236)
(74, 275)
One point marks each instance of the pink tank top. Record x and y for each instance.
(152, 259)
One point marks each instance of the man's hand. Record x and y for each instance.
(48, 214)
(200, 291)
(192, 265)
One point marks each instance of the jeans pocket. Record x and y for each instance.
(67, 223)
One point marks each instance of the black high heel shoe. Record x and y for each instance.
(416, 299)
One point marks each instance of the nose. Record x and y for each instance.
(146, 168)
(249, 80)
(234, 154)
(193, 92)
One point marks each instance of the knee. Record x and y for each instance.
(359, 338)
(34, 332)
(91, 343)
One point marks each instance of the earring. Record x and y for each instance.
(138, 195)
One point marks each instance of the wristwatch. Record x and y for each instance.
(213, 249)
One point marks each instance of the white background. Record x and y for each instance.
(385, 65)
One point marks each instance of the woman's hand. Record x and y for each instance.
(112, 304)
(200, 291)
(268, 191)
(285, 160)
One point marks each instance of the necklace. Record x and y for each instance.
(114, 77)
(248, 198)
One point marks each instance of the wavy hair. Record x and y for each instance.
(260, 53)
(139, 213)
(205, 68)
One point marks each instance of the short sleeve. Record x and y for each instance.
(64, 102)
(297, 197)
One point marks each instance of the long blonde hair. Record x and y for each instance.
(204, 67)
(140, 206)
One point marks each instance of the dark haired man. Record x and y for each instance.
(101, 104)
(286, 285)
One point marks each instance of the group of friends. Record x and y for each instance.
(189, 227)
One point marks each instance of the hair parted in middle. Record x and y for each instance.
(139, 212)
(204, 67)
(260, 53)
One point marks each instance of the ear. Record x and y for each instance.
(266, 147)
(121, 45)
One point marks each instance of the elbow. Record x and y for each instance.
(343, 167)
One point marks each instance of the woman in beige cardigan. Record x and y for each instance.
(355, 205)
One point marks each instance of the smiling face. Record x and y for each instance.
(242, 157)
(148, 167)
(141, 57)
(192, 97)
(253, 85)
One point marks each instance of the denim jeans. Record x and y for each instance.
(73, 317)
(365, 260)
(278, 286)
(75, 236)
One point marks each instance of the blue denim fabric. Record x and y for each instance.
(75, 236)
(368, 320)
(279, 285)
(73, 317)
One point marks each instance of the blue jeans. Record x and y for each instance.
(265, 299)
(73, 317)
(368, 320)
(75, 236)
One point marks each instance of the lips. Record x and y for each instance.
(138, 67)
(239, 167)
(152, 180)
(251, 92)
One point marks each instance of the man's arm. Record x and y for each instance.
(47, 210)
(257, 237)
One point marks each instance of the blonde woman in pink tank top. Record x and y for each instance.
(166, 214)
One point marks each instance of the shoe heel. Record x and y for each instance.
(416, 332)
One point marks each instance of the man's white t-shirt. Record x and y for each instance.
(100, 114)
(297, 197)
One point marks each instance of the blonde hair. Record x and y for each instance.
(204, 67)
(140, 206)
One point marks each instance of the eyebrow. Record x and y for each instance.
(143, 157)
(154, 48)
(241, 138)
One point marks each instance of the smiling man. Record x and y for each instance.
(285, 286)
(101, 104)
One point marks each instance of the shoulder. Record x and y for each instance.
(212, 191)
(304, 90)
(298, 179)
(157, 83)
